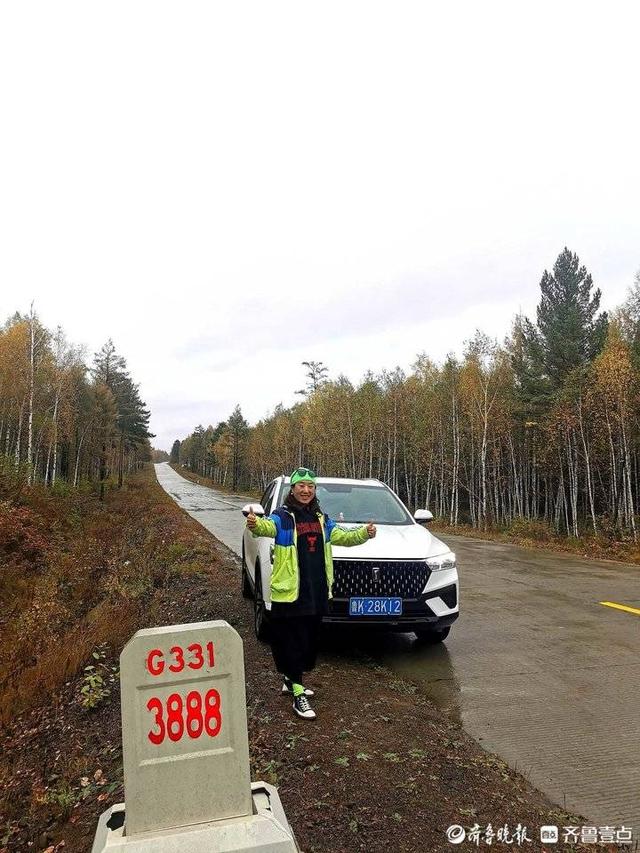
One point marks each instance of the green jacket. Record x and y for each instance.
(285, 576)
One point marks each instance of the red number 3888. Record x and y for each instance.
(191, 715)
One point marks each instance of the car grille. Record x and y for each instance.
(399, 578)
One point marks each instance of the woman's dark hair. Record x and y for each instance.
(291, 503)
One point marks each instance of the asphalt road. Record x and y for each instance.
(535, 668)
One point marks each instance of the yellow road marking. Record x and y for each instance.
(621, 607)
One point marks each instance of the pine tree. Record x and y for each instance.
(133, 421)
(110, 369)
(174, 457)
(526, 355)
(108, 366)
(238, 429)
(571, 333)
(316, 377)
(629, 319)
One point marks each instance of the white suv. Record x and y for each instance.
(404, 579)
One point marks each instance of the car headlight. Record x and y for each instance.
(444, 561)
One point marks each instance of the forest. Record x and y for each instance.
(541, 431)
(64, 424)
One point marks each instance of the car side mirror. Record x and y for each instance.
(423, 516)
(255, 508)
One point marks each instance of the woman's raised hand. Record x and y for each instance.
(371, 529)
(251, 520)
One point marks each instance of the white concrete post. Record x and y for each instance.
(184, 727)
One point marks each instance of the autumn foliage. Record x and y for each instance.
(539, 434)
(62, 422)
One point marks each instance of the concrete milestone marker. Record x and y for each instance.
(184, 714)
(186, 751)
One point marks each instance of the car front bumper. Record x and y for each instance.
(388, 623)
(437, 611)
(429, 598)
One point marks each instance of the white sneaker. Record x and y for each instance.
(302, 707)
(287, 688)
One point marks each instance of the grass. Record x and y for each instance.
(77, 573)
(97, 680)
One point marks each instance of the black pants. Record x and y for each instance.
(294, 643)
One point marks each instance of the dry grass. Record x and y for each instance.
(76, 573)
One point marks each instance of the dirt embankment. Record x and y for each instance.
(382, 769)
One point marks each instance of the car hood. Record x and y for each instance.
(403, 542)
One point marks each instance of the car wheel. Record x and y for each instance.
(247, 591)
(260, 613)
(432, 635)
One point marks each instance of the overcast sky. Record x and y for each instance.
(227, 190)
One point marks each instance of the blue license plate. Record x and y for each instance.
(360, 606)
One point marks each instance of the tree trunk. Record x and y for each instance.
(627, 465)
(32, 358)
(587, 463)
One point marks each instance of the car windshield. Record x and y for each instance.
(357, 504)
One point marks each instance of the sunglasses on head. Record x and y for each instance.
(304, 472)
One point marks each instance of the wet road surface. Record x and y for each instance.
(535, 668)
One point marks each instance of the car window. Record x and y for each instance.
(265, 500)
(361, 503)
(357, 504)
(284, 491)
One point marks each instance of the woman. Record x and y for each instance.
(301, 579)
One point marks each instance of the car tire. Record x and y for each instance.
(431, 636)
(247, 590)
(260, 612)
